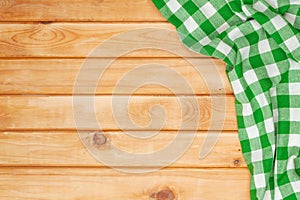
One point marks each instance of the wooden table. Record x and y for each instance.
(43, 44)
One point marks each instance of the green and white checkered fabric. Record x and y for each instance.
(260, 42)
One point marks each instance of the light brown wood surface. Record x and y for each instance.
(56, 112)
(98, 183)
(64, 148)
(44, 46)
(57, 76)
(79, 39)
(79, 10)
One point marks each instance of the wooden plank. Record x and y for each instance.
(79, 39)
(57, 76)
(64, 148)
(117, 112)
(79, 10)
(97, 183)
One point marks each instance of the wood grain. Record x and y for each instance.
(58, 76)
(64, 148)
(97, 183)
(136, 113)
(79, 10)
(79, 39)
(43, 46)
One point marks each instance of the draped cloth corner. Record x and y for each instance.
(259, 41)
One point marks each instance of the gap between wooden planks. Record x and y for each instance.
(64, 148)
(75, 40)
(95, 183)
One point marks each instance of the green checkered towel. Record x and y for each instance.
(259, 41)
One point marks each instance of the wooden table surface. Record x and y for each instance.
(43, 44)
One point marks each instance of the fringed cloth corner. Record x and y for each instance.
(260, 42)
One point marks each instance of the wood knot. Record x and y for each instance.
(99, 139)
(46, 22)
(165, 194)
(236, 163)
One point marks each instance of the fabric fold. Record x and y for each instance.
(259, 41)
